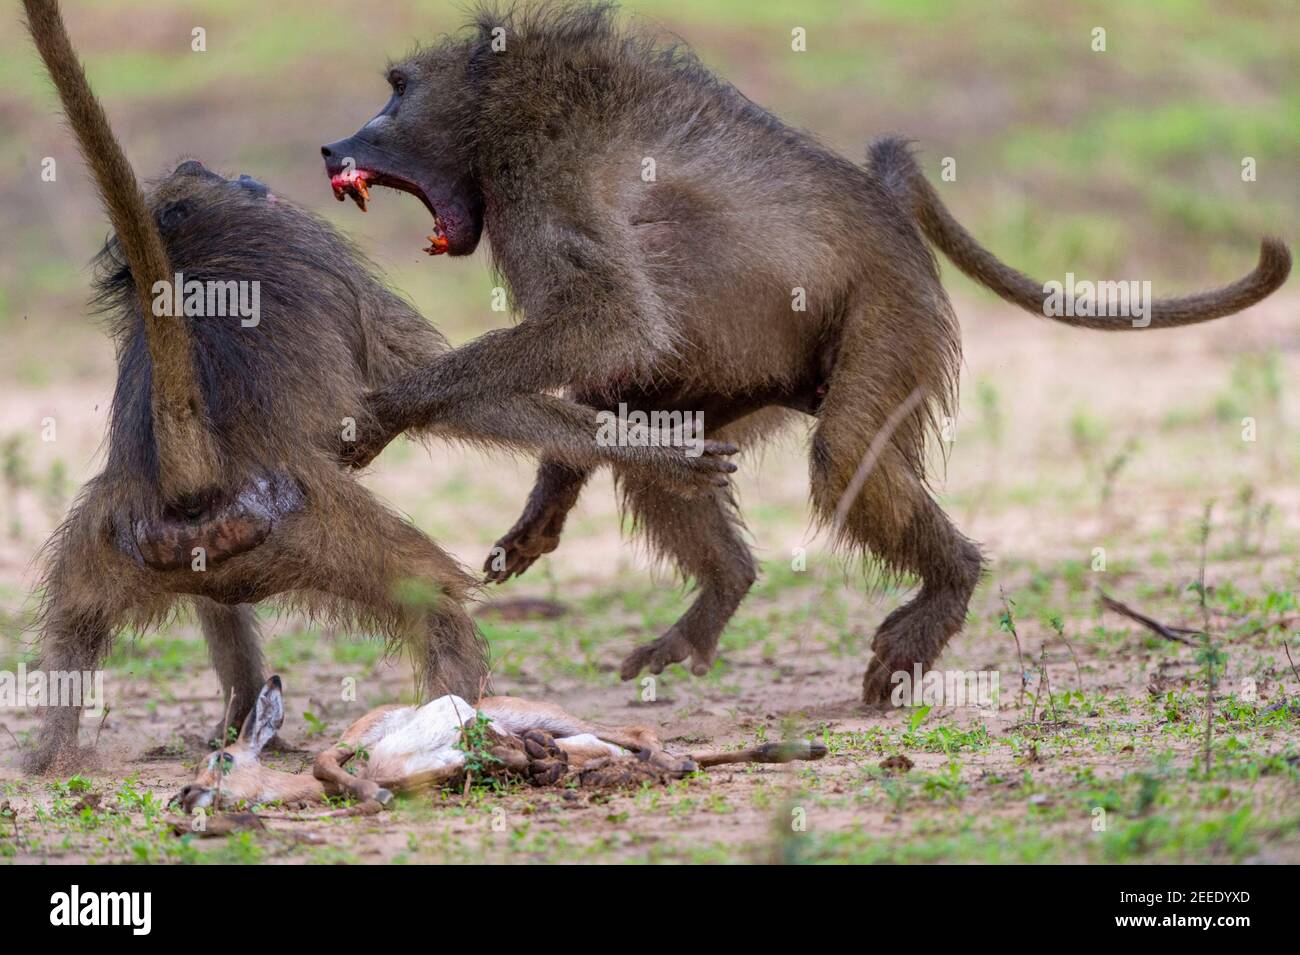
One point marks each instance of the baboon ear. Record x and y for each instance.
(265, 718)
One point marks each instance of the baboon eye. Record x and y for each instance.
(398, 82)
(174, 214)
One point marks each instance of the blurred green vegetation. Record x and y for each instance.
(1126, 162)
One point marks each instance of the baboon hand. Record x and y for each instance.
(707, 469)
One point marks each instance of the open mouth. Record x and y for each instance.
(356, 183)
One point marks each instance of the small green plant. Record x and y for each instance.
(360, 756)
(474, 742)
(1007, 624)
(917, 718)
(1113, 466)
(990, 405)
(315, 725)
(16, 475)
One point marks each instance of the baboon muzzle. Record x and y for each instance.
(212, 528)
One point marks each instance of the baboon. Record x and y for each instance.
(669, 244)
(224, 481)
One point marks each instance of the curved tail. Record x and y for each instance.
(892, 161)
(187, 458)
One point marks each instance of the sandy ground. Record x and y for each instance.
(1047, 414)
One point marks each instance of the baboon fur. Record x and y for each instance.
(230, 440)
(675, 291)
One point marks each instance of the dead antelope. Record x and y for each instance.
(407, 748)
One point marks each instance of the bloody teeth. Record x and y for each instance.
(351, 183)
(438, 243)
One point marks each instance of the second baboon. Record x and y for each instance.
(671, 245)
(223, 482)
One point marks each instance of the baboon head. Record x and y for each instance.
(420, 143)
(191, 188)
(198, 211)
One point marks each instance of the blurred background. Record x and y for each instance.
(1122, 164)
(1127, 161)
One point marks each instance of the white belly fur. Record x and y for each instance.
(414, 740)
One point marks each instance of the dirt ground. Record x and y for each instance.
(1069, 444)
(1080, 461)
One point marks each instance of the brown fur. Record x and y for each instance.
(276, 515)
(273, 513)
(184, 442)
(676, 294)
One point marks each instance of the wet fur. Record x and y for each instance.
(271, 400)
(676, 294)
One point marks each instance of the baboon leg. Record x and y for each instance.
(538, 529)
(88, 591)
(892, 516)
(234, 646)
(701, 535)
(395, 577)
(558, 483)
(537, 532)
(74, 641)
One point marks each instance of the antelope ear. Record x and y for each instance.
(265, 718)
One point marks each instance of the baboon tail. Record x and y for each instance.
(186, 452)
(892, 161)
(135, 228)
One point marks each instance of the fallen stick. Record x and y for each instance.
(784, 752)
(1177, 634)
(367, 808)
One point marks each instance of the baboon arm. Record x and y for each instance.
(569, 434)
(588, 316)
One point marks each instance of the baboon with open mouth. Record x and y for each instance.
(672, 245)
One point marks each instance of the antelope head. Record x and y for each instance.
(234, 774)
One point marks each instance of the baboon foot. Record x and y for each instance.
(909, 637)
(879, 682)
(671, 648)
(55, 756)
(56, 748)
(534, 534)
